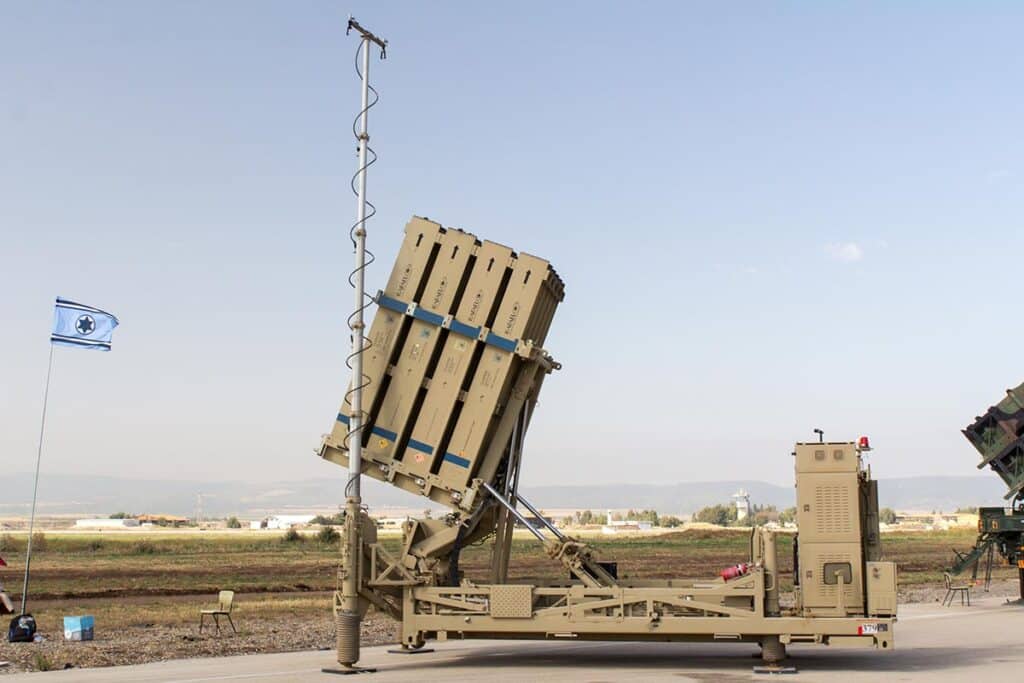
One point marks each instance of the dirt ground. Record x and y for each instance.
(1008, 589)
(146, 595)
(158, 642)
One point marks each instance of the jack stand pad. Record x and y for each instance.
(347, 670)
(774, 669)
(411, 651)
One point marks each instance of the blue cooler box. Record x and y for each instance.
(78, 628)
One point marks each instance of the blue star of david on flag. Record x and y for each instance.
(76, 324)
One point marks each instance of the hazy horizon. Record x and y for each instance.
(84, 495)
(781, 481)
(769, 218)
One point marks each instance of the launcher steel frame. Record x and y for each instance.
(456, 369)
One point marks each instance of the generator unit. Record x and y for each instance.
(452, 377)
(837, 568)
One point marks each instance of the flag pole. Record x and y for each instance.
(35, 485)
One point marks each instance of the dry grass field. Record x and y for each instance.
(146, 589)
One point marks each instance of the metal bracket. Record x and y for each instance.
(381, 43)
(521, 347)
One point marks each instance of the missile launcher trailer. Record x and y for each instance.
(998, 435)
(452, 377)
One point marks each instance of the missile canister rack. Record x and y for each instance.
(454, 357)
(454, 369)
(998, 436)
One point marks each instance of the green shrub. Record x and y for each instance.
(327, 536)
(42, 662)
(39, 542)
(144, 548)
(8, 543)
(787, 516)
(722, 515)
(292, 536)
(336, 519)
(233, 523)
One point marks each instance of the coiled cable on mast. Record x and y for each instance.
(371, 210)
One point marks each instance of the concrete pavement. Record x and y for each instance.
(932, 643)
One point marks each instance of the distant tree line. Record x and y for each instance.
(722, 515)
(726, 515)
(337, 519)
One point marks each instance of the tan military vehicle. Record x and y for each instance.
(452, 375)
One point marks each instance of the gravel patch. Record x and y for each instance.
(138, 644)
(1000, 588)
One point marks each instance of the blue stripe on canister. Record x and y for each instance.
(428, 316)
(420, 446)
(389, 435)
(501, 342)
(465, 330)
(391, 304)
(456, 460)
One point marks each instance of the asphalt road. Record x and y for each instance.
(935, 644)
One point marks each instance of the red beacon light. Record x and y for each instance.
(863, 444)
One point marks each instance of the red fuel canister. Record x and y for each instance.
(735, 571)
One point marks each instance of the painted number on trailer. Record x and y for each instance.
(868, 629)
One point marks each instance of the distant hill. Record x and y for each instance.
(94, 495)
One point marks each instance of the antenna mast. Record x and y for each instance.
(347, 604)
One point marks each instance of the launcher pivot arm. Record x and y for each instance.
(972, 556)
(575, 555)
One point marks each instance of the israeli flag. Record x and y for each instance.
(83, 326)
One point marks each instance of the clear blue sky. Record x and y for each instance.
(770, 217)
